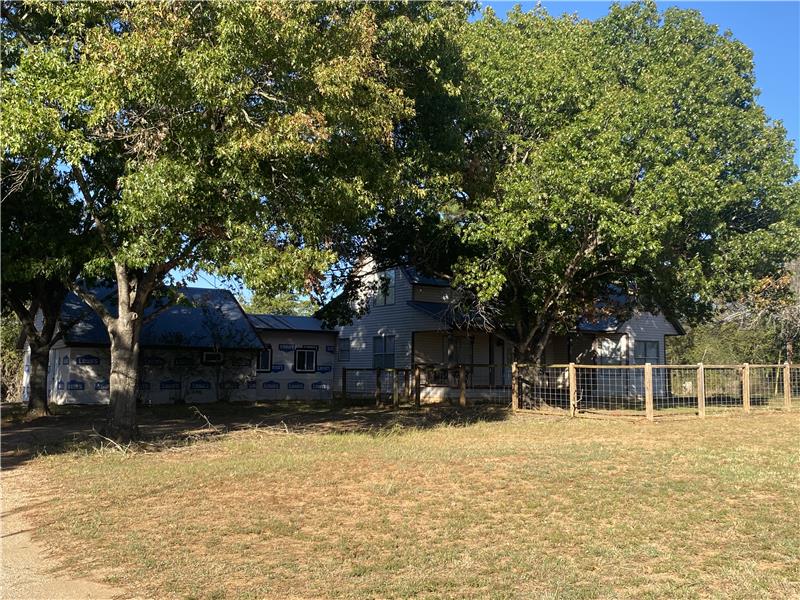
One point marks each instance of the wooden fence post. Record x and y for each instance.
(514, 387)
(395, 390)
(701, 391)
(648, 392)
(344, 385)
(417, 385)
(787, 386)
(378, 386)
(462, 385)
(573, 390)
(746, 387)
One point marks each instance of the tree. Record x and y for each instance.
(282, 304)
(45, 243)
(774, 306)
(619, 162)
(251, 139)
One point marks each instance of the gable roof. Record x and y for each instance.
(204, 318)
(286, 323)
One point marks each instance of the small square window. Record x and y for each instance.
(305, 360)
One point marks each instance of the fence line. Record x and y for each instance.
(646, 391)
(651, 391)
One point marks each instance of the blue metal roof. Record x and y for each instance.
(286, 323)
(202, 318)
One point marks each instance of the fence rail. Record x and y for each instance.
(652, 391)
(647, 391)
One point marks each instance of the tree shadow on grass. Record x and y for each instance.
(76, 427)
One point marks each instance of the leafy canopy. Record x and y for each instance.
(627, 154)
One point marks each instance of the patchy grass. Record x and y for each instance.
(527, 507)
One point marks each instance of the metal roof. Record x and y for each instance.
(202, 318)
(287, 323)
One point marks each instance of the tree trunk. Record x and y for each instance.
(790, 351)
(124, 378)
(37, 395)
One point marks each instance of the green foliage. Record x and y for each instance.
(623, 155)
(282, 304)
(726, 344)
(11, 359)
(253, 138)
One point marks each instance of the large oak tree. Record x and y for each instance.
(626, 158)
(253, 139)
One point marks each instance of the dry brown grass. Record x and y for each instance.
(528, 507)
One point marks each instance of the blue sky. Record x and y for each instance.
(770, 29)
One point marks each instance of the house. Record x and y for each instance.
(298, 358)
(202, 349)
(410, 322)
(206, 349)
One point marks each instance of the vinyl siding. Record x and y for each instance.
(398, 319)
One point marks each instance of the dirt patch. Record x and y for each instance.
(27, 571)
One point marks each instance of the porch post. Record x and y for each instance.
(514, 387)
(417, 385)
(395, 393)
(462, 384)
(344, 384)
(378, 387)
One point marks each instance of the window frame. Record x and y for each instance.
(313, 368)
(381, 298)
(382, 339)
(646, 358)
(259, 369)
(340, 352)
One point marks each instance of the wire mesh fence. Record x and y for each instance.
(648, 391)
(543, 388)
(655, 391)
(794, 387)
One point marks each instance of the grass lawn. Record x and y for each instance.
(529, 507)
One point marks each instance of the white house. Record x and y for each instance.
(410, 322)
(206, 349)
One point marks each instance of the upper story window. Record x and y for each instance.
(264, 360)
(386, 288)
(305, 360)
(343, 355)
(645, 352)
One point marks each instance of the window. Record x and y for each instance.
(344, 350)
(212, 358)
(645, 352)
(383, 352)
(264, 360)
(386, 285)
(305, 360)
(609, 350)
